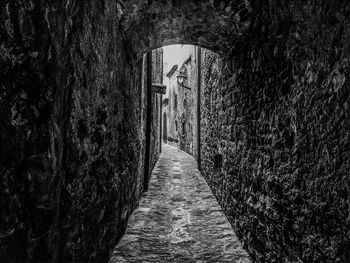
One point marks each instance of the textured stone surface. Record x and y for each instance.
(278, 113)
(212, 24)
(179, 219)
(26, 86)
(71, 122)
(71, 147)
(157, 76)
(100, 156)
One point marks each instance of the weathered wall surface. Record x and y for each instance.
(278, 113)
(27, 83)
(212, 129)
(70, 122)
(71, 141)
(103, 138)
(157, 56)
(194, 97)
(157, 73)
(214, 24)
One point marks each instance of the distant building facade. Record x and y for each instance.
(170, 107)
(179, 104)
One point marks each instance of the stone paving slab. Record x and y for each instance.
(178, 219)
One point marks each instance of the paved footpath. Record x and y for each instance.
(178, 219)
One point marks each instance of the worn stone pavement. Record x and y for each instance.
(178, 219)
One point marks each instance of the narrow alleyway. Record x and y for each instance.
(179, 219)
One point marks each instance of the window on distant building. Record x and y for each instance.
(184, 127)
(176, 125)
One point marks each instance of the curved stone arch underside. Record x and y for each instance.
(215, 25)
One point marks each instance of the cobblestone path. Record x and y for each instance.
(178, 219)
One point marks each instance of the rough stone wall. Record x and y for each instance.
(278, 113)
(71, 137)
(214, 24)
(157, 57)
(103, 145)
(194, 89)
(143, 115)
(285, 146)
(212, 126)
(27, 84)
(157, 72)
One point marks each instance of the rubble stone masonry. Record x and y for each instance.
(277, 113)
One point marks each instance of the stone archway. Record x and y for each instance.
(266, 55)
(214, 25)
